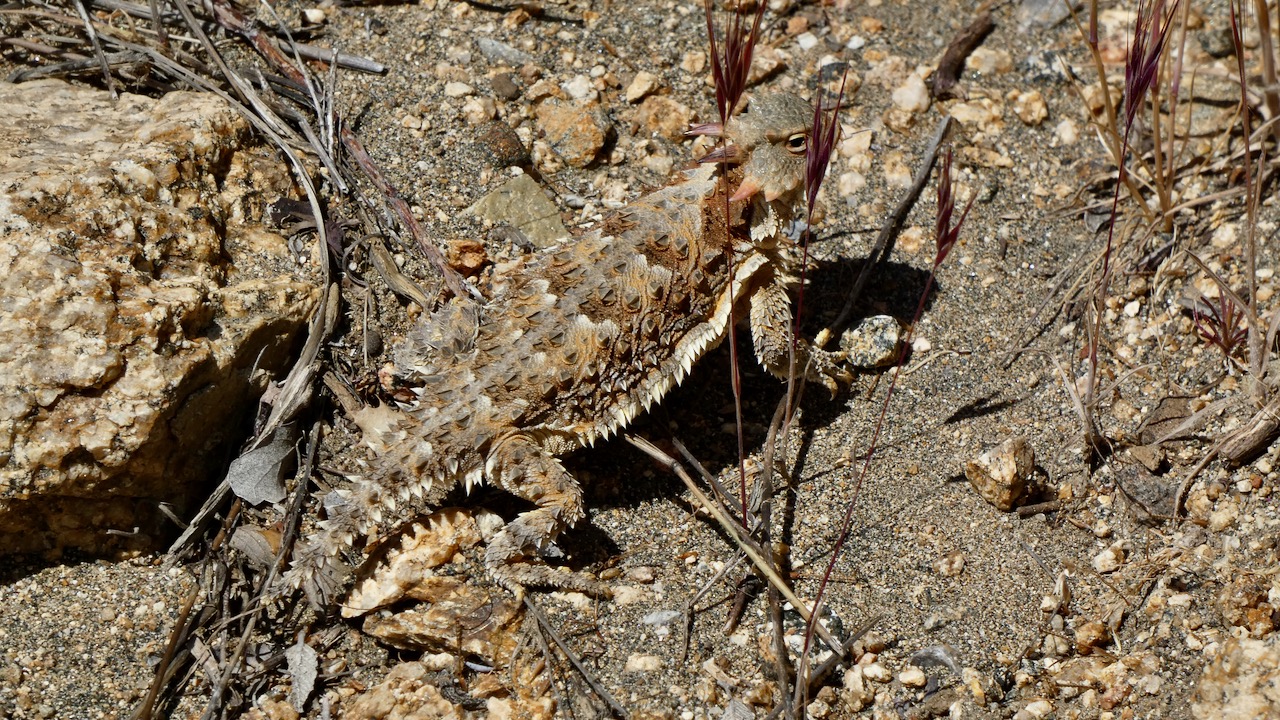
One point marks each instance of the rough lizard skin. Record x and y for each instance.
(577, 341)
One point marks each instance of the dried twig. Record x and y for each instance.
(97, 49)
(590, 679)
(735, 531)
(889, 231)
(952, 62)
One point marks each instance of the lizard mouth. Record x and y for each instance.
(731, 155)
(725, 153)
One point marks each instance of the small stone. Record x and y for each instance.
(1092, 637)
(858, 693)
(466, 255)
(408, 685)
(807, 41)
(973, 681)
(951, 564)
(1241, 596)
(897, 171)
(764, 65)
(477, 111)
(575, 132)
(1034, 710)
(1029, 107)
(457, 89)
(501, 145)
(759, 694)
(313, 16)
(661, 115)
(1224, 236)
(1000, 475)
(579, 88)
(1225, 516)
(643, 574)
(499, 52)
(1109, 560)
(630, 595)
(640, 662)
(504, 86)
(982, 115)
(542, 90)
(876, 672)
(521, 203)
(911, 240)
(643, 84)
(912, 677)
(988, 61)
(874, 342)
(694, 62)
(1066, 132)
(912, 96)
(1151, 456)
(818, 709)
(850, 184)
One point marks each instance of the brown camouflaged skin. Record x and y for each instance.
(575, 342)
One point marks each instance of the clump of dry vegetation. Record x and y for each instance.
(1155, 130)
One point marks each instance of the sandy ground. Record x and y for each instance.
(928, 563)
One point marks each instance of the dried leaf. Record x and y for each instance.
(258, 475)
(258, 545)
(302, 662)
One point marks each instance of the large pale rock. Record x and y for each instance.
(142, 305)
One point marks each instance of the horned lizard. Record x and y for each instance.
(574, 343)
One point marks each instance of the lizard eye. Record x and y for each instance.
(797, 143)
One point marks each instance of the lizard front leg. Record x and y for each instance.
(771, 333)
(522, 467)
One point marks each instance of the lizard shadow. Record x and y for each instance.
(701, 412)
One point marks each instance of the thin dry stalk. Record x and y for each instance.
(730, 66)
(1142, 72)
(946, 233)
(889, 232)
(757, 555)
(596, 686)
(1109, 130)
(1270, 90)
(1257, 352)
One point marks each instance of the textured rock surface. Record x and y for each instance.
(577, 132)
(521, 203)
(1243, 681)
(1000, 474)
(140, 303)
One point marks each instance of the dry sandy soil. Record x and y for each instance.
(933, 569)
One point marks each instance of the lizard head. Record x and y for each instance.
(770, 140)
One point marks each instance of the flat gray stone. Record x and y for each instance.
(521, 203)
